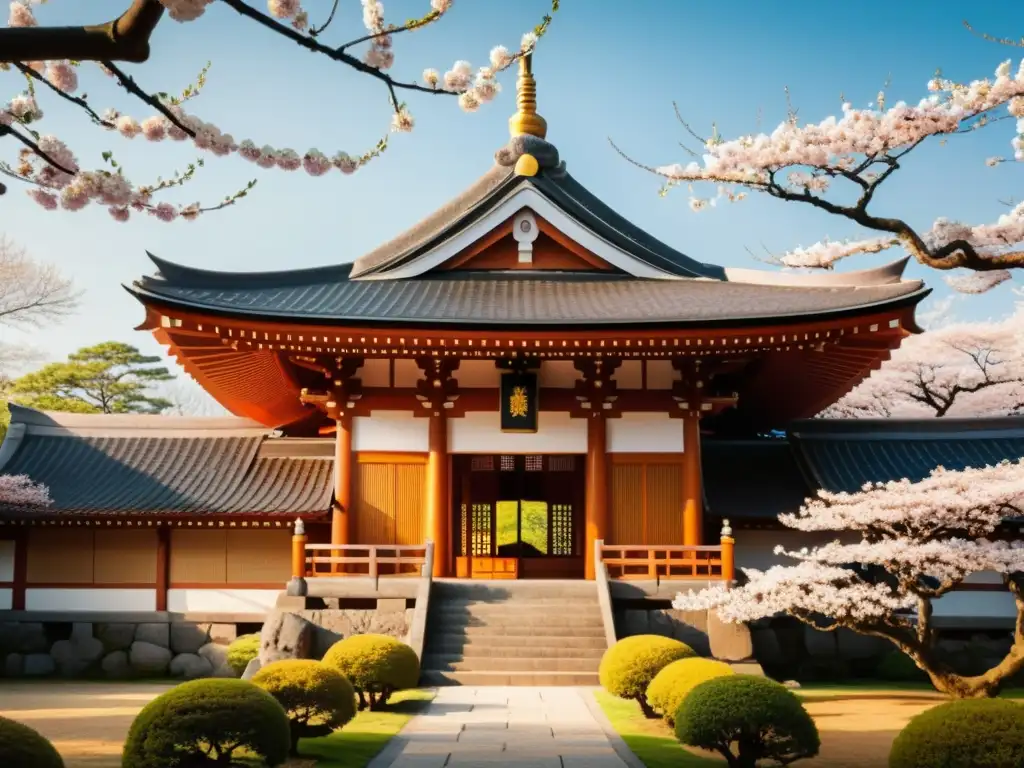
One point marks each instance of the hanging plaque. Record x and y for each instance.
(519, 402)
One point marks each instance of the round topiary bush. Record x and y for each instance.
(764, 719)
(376, 665)
(670, 686)
(963, 734)
(243, 650)
(318, 698)
(897, 667)
(22, 747)
(205, 723)
(629, 666)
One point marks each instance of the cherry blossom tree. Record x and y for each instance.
(917, 542)
(850, 156)
(52, 60)
(20, 491)
(966, 369)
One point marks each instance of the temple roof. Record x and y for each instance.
(843, 455)
(99, 465)
(502, 299)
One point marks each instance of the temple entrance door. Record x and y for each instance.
(519, 516)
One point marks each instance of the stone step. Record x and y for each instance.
(507, 640)
(438, 630)
(544, 601)
(506, 664)
(438, 677)
(524, 620)
(504, 589)
(516, 609)
(557, 648)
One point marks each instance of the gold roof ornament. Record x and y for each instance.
(526, 121)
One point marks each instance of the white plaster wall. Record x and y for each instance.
(46, 599)
(222, 600)
(481, 433)
(6, 599)
(407, 373)
(645, 433)
(390, 431)
(754, 549)
(630, 375)
(478, 373)
(6, 560)
(375, 372)
(558, 374)
(988, 604)
(661, 374)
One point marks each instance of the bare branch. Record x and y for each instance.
(31, 294)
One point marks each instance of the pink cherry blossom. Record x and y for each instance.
(62, 75)
(21, 14)
(20, 491)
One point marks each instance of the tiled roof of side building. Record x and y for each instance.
(100, 465)
(844, 454)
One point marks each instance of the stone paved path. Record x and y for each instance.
(514, 727)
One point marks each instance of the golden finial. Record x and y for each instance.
(526, 121)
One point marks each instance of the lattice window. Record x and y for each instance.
(463, 530)
(482, 464)
(508, 463)
(481, 530)
(562, 538)
(534, 463)
(562, 464)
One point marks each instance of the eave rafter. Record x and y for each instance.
(253, 367)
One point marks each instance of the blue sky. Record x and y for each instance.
(606, 69)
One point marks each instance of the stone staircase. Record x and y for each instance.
(513, 633)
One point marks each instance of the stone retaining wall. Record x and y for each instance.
(114, 650)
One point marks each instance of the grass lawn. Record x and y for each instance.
(359, 741)
(651, 740)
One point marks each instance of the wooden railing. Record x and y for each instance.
(310, 561)
(676, 562)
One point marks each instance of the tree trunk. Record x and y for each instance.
(645, 707)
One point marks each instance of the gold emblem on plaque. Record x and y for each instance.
(518, 402)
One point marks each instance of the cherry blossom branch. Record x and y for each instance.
(77, 100)
(6, 130)
(128, 83)
(126, 38)
(315, 31)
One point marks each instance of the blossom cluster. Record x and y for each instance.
(20, 491)
(927, 536)
(60, 182)
(854, 146)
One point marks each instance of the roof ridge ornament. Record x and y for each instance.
(527, 150)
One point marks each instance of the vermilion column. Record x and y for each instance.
(438, 526)
(693, 489)
(597, 490)
(341, 515)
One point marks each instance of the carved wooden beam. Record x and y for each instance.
(438, 390)
(596, 392)
(341, 398)
(695, 393)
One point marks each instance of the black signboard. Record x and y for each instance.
(519, 406)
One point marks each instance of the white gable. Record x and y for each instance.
(525, 196)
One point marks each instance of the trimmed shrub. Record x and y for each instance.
(376, 665)
(670, 686)
(22, 747)
(629, 666)
(243, 650)
(764, 719)
(318, 698)
(205, 723)
(897, 667)
(963, 734)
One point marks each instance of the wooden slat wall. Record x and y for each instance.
(125, 557)
(91, 556)
(389, 498)
(646, 500)
(198, 557)
(626, 524)
(235, 556)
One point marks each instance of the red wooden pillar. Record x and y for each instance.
(341, 516)
(163, 565)
(597, 490)
(438, 514)
(693, 489)
(20, 569)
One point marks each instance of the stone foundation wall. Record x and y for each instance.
(115, 649)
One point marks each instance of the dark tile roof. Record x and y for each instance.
(536, 299)
(844, 454)
(750, 479)
(116, 465)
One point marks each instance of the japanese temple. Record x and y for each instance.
(516, 378)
